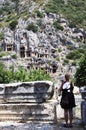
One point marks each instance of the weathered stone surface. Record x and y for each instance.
(2, 93)
(28, 112)
(27, 102)
(83, 92)
(83, 111)
(83, 104)
(27, 92)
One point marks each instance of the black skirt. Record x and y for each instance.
(71, 100)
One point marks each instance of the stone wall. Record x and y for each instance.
(27, 102)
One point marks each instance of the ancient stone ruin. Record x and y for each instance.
(27, 102)
(30, 52)
(83, 105)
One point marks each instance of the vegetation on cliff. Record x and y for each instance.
(73, 10)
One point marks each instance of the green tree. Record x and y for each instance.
(4, 74)
(80, 75)
(22, 74)
(39, 75)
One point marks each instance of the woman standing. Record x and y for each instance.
(67, 90)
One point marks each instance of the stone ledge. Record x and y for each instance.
(37, 91)
(28, 112)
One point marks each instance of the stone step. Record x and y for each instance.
(28, 112)
(23, 99)
(24, 117)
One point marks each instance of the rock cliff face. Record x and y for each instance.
(37, 41)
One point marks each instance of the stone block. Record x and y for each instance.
(27, 102)
(83, 112)
(2, 93)
(38, 91)
(26, 112)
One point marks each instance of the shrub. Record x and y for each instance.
(57, 58)
(72, 24)
(60, 49)
(74, 63)
(13, 24)
(14, 56)
(66, 61)
(1, 49)
(57, 26)
(4, 74)
(82, 50)
(39, 14)
(3, 54)
(22, 74)
(32, 27)
(36, 75)
(6, 8)
(16, 5)
(1, 36)
(70, 47)
(74, 55)
(12, 18)
(1, 11)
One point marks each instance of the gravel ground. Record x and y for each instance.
(30, 126)
(26, 126)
